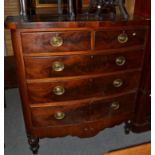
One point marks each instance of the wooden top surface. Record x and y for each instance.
(49, 21)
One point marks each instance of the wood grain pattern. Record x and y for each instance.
(16, 40)
(89, 88)
(143, 8)
(143, 149)
(49, 23)
(85, 129)
(109, 39)
(79, 113)
(42, 92)
(41, 67)
(40, 42)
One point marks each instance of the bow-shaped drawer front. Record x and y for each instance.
(75, 65)
(73, 88)
(83, 111)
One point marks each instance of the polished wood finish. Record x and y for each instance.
(40, 42)
(97, 83)
(85, 87)
(37, 90)
(48, 23)
(143, 8)
(15, 35)
(143, 149)
(82, 112)
(85, 129)
(109, 39)
(38, 67)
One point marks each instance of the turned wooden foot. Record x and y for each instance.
(127, 127)
(34, 144)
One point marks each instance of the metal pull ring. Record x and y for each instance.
(59, 115)
(118, 83)
(122, 38)
(120, 61)
(115, 105)
(59, 90)
(56, 41)
(58, 66)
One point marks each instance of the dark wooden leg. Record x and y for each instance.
(34, 144)
(127, 127)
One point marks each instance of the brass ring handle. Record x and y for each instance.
(59, 90)
(115, 105)
(118, 83)
(122, 38)
(58, 66)
(120, 61)
(59, 115)
(56, 41)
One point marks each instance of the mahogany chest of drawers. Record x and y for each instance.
(77, 78)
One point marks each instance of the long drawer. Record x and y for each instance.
(83, 111)
(73, 65)
(45, 42)
(109, 39)
(82, 87)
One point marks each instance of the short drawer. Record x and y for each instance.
(45, 42)
(82, 112)
(109, 39)
(73, 65)
(80, 88)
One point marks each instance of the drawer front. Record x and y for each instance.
(72, 89)
(44, 42)
(119, 38)
(58, 66)
(83, 111)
